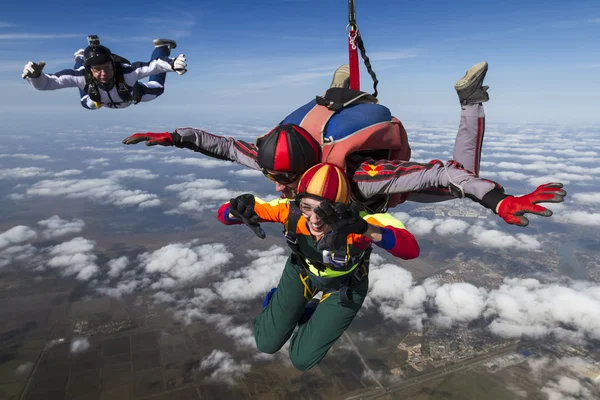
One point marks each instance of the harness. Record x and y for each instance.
(338, 260)
(126, 93)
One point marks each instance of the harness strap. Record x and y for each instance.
(352, 47)
(363, 54)
(355, 42)
(361, 271)
(308, 294)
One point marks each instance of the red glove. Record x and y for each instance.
(152, 139)
(511, 209)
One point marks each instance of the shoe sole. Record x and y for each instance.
(162, 42)
(471, 76)
(339, 76)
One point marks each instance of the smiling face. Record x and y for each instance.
(316, 226)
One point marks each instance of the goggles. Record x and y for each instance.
(285, 178)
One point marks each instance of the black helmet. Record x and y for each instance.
(288, 148)
(96, 55)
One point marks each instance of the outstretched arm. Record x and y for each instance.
(413, 179)
(141, 70)
(390, 234)
(200, 141)
(59, 80)
(250, 210)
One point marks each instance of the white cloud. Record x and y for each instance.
(520, 307)
(68, 172)
(420, 226)
(103, 190)
(580, 218)
(26, 156)
(500, 240)
(256, 279)
(508, 175)
(224, 367)
(246, 173)
(12, 254)
(144, 174)
(98, 161)
(137, 158)
(459, 302)
(74, 258)
(22, 173)
(117, 266)
(391, 287)
(202, 194)
(577, 153)
(79, 345)
(451, 226)
(16, 235)
(56, 226)
(201, 162)
(590, 198)
(179, 262)
(561, 378)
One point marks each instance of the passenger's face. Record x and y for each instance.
(103, 73)
(285, 183)
(316, 226)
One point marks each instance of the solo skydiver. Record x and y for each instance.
(105, 79)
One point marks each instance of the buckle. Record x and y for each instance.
(456, 190)
(359, 273)
(291, 239)
(336, 262)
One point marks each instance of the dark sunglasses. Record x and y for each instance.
(285, 178)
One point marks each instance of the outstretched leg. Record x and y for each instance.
(469, 139)
(278, 319)
(156, 83)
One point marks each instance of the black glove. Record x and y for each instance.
(343, 221)
(242, 207)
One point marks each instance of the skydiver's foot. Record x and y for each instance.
(469, 87)
(309, 310)
(341, 77)
(165, 42)
(268, 297)
(78, 53)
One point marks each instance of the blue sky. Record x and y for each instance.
(264, 58)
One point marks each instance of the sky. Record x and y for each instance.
(264, 59)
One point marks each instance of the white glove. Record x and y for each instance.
(33, 70)
(179, 64)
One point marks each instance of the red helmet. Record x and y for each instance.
(327, 181)
(288, 148)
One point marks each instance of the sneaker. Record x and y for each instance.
(469, 87)
(165, 42)
(78, 53)
(268, 297)
(341, 77)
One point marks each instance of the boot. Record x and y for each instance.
(469, 88)
(341, 77)
(165, 42)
